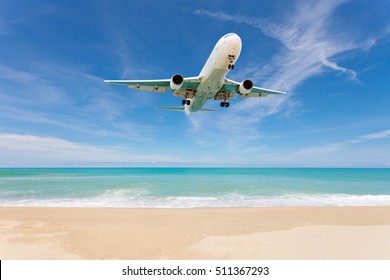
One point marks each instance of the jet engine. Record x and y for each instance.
(176, 82)
(246, 86)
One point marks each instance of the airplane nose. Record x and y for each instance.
(235, 40)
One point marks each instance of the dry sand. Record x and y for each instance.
(216, 233)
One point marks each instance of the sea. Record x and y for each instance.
(193, 187)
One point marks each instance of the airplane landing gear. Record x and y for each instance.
(225, 104)
(185, 102)
(231, 60)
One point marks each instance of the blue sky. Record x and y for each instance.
(332, 57)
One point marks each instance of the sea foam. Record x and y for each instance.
(140, 199)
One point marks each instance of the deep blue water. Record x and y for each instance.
(193, 187)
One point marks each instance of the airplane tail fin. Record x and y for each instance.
(181, 109)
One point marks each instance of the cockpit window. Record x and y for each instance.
(227, 35)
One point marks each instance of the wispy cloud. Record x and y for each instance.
(45, 96)
(16, 75)
(309, 43)
(309, 46)
(21, 149)
(307, 154)
(377, 135)
(32, 85)
(116, 29)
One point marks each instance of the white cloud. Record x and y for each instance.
(35, 87)
(309, 45)
(46, 97)
(238, 144)
(21, 149)
(122, 39)
(16, 75)
(325, 151)
(315, 152)
(377, 135)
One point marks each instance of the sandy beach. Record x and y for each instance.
(204, 233)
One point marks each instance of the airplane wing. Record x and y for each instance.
(231, 87)
(189, 84)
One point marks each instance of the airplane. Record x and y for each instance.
(211, 82)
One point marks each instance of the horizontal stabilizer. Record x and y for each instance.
(171, 108)
(181, 109)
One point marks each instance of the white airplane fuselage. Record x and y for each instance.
(213, 73)
(211, 83)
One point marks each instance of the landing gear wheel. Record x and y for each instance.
(225, 104)
(183, 102)
(231, 66)
(188, 102)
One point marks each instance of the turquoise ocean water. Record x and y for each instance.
(193, 187)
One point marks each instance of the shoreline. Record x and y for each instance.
(298, 232)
